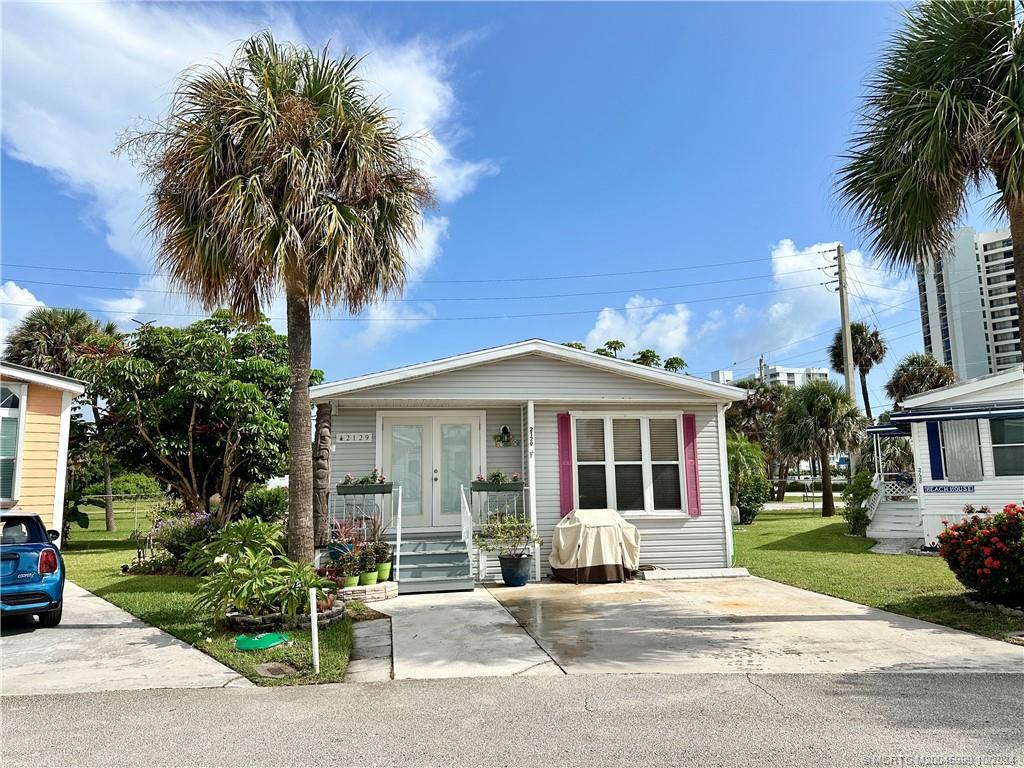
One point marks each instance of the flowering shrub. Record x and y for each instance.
(373, 478)
(986, 552)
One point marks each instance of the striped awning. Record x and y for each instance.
(1014, 410)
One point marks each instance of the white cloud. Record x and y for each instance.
(715, 321)
(802, 305)
(104, 67)
(15, 303)
(645, 324)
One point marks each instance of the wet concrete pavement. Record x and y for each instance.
(737, 625)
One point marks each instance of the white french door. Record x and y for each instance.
(431, 456)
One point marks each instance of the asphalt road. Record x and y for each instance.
(636, 720)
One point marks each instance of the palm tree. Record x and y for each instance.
(279, 173)
(614, 346)
(674, 364)
(943, 115)
(918, 372)
(821, 419)
(756, 418)
(575, 345)
(744, 459)
(51, 339)
(647, 357)
(868, 351)
(603, 352)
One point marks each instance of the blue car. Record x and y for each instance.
(31, 568)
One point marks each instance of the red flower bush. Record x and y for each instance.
(986, 552)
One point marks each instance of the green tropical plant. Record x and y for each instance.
(647, 357)
(575, 345)
(868, 351)
(756, 418)
(262, 503)
(246, 582)
(247, 535)
(508, 535)
(918, 372)
(279, 172)
(943, 115)
(820, 418)
(753, 492)
(204, 409)
(744, 459)
(856, 495)
(614, 346)
(674, 364)
(52, 339)
(291, 594)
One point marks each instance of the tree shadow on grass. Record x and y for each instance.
(828, 538)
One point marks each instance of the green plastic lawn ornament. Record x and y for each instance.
(260, 642)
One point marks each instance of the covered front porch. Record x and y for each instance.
(447, 470)
(893, 508)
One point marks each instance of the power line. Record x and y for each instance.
(506, 297)
(468, 318)
(503, 279)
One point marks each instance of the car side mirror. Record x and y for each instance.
(53, 535)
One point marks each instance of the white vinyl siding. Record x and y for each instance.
(992, 490)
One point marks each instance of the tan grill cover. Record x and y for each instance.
(594, 546)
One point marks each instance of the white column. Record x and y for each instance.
(63, 436)
(531, 469)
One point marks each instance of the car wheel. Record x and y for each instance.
(52, 618)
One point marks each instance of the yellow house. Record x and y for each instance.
(35, 421)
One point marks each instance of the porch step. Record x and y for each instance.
(445, 584)
(434, 563)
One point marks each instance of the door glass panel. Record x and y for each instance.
(456, 465)
(407, 468)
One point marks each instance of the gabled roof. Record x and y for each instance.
(976, 386)
(33, 376)
(550, 349)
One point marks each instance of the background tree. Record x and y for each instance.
(820, 418)
(51, 339)
(674, 364)
(280, 173)
(943, 115)
(575, 345)
(756, 418)
(745, 458)
(647, 357)
(204, 408)
(614, 346)
(868, 351)
(918, 372)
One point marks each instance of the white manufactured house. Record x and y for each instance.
(968, 442)
(582, 431)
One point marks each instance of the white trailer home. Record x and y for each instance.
(968, 443)
(581, 430)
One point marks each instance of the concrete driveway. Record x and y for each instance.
(99, 647)
(737, 625)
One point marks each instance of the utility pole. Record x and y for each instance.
(844, 315)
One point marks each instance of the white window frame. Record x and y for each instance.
(19, 413)
(996, 445)
(648, 470)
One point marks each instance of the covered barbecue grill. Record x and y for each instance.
(594, 546)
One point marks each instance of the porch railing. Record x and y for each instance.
(357, 513)
(891, 486)
(480, 506)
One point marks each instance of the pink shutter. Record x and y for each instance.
(690, 462)
(564, 464)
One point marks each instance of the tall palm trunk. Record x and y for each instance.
(322, 475)
(300, 452)
(828, 505)
(1016, 210)
(864, 389)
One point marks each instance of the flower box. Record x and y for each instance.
(364, 489)
(513, 486)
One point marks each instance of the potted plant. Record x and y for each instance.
(371, 484)
(344, 535)
(367, 566)
(498, 482)
(512, 538)
(382, 553)
(350, 569)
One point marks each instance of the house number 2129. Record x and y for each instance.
(355, 437)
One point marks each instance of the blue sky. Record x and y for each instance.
(684, 151)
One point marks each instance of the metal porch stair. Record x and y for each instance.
(434, 562)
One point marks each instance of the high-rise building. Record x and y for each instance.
(793, 377)
(722, 376)
(969, 306)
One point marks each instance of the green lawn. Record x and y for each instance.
(94, 558)
(801, 548)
